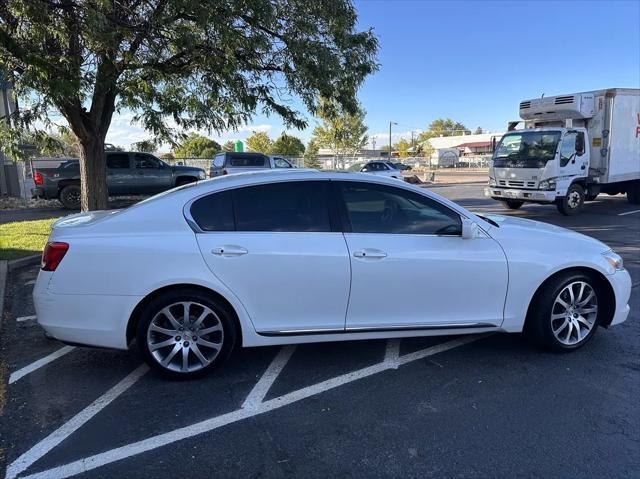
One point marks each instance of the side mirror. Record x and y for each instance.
(469, 229)
(580, 144)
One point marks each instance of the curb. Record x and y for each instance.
(26, 261)
(3, 281)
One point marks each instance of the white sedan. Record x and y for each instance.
(302, 256)
(382, 168)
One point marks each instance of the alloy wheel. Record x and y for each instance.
(574, 199)
(574, 313)
(185, 336)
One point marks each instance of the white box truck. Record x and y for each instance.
(573, 148)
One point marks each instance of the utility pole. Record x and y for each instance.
(391, 123)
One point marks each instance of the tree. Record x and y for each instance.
(229, 146)
(343, 132)
(196, 146)
(479, 131)
(311, 156)
(259, 142)
(287, 145)
(202, 65)
(402, 147)
(145, 146)
(443, 127)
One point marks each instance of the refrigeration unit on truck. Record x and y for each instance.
(573, 148)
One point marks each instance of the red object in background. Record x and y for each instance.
(37, 178)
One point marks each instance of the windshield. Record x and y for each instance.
(527, 149)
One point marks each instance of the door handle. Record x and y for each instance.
(370, 253)
(229, 250)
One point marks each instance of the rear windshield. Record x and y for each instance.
(246, 161)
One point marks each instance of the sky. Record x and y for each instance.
(473, 61)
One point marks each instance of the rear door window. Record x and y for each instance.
(299, 206)
(214, 212)
(118, 161)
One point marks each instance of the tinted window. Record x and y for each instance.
(384, 209)
(214, 212)
(295, 206)
(146, 161)
(118, 161)
(247, 161)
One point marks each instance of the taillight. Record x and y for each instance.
(225, 172)
(53, 254)
(37, 178)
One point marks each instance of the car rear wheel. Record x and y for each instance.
(565, 313)
(185, 333)
(512, 204)
(70, 197)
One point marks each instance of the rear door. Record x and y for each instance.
(277, 248)
(120, 175)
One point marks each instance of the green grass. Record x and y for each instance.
(23, 238)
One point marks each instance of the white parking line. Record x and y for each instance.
(20, 373)
(29, 283)
(154, 442)
(629, 213)
(25, 318)
(68, 428)
(262, 387)
(392, 353)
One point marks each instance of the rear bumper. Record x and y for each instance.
(538, 196)
(38, 191)
(92, 320)
(621, 283)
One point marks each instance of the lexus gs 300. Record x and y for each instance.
(303, 256)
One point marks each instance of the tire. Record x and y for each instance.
(70, 197)
(207, 344)
(512, 204)
(633, 194)
(573, 202)
(552, 325)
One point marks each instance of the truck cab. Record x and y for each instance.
(540, 165)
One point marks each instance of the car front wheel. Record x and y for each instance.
(185, 333)
(573, 202)
(565, 313)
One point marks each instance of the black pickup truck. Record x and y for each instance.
(128, 173)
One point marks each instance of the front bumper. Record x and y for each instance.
(539, 196)
(621, 283)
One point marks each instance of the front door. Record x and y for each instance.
(410, 267)
(274, 247)
(571, 164)
(152, 174)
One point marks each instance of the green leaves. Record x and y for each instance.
(197, 146)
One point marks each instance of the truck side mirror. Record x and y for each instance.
(580, 144)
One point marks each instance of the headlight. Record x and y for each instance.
(614, 260)
(549, 184)
(202, 175)
(492, 181)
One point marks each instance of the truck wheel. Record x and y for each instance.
(70, 197)
(185, 180)
(591, 197)
(512, 204)
(573, 202)
(633, 194)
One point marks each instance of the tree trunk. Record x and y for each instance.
(93, 175)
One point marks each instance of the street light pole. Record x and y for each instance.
(390, 124)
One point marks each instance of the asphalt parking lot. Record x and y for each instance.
(473, 406)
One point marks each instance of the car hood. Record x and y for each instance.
(543, 235)
(184, 169)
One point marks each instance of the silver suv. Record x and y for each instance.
(229, 162)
